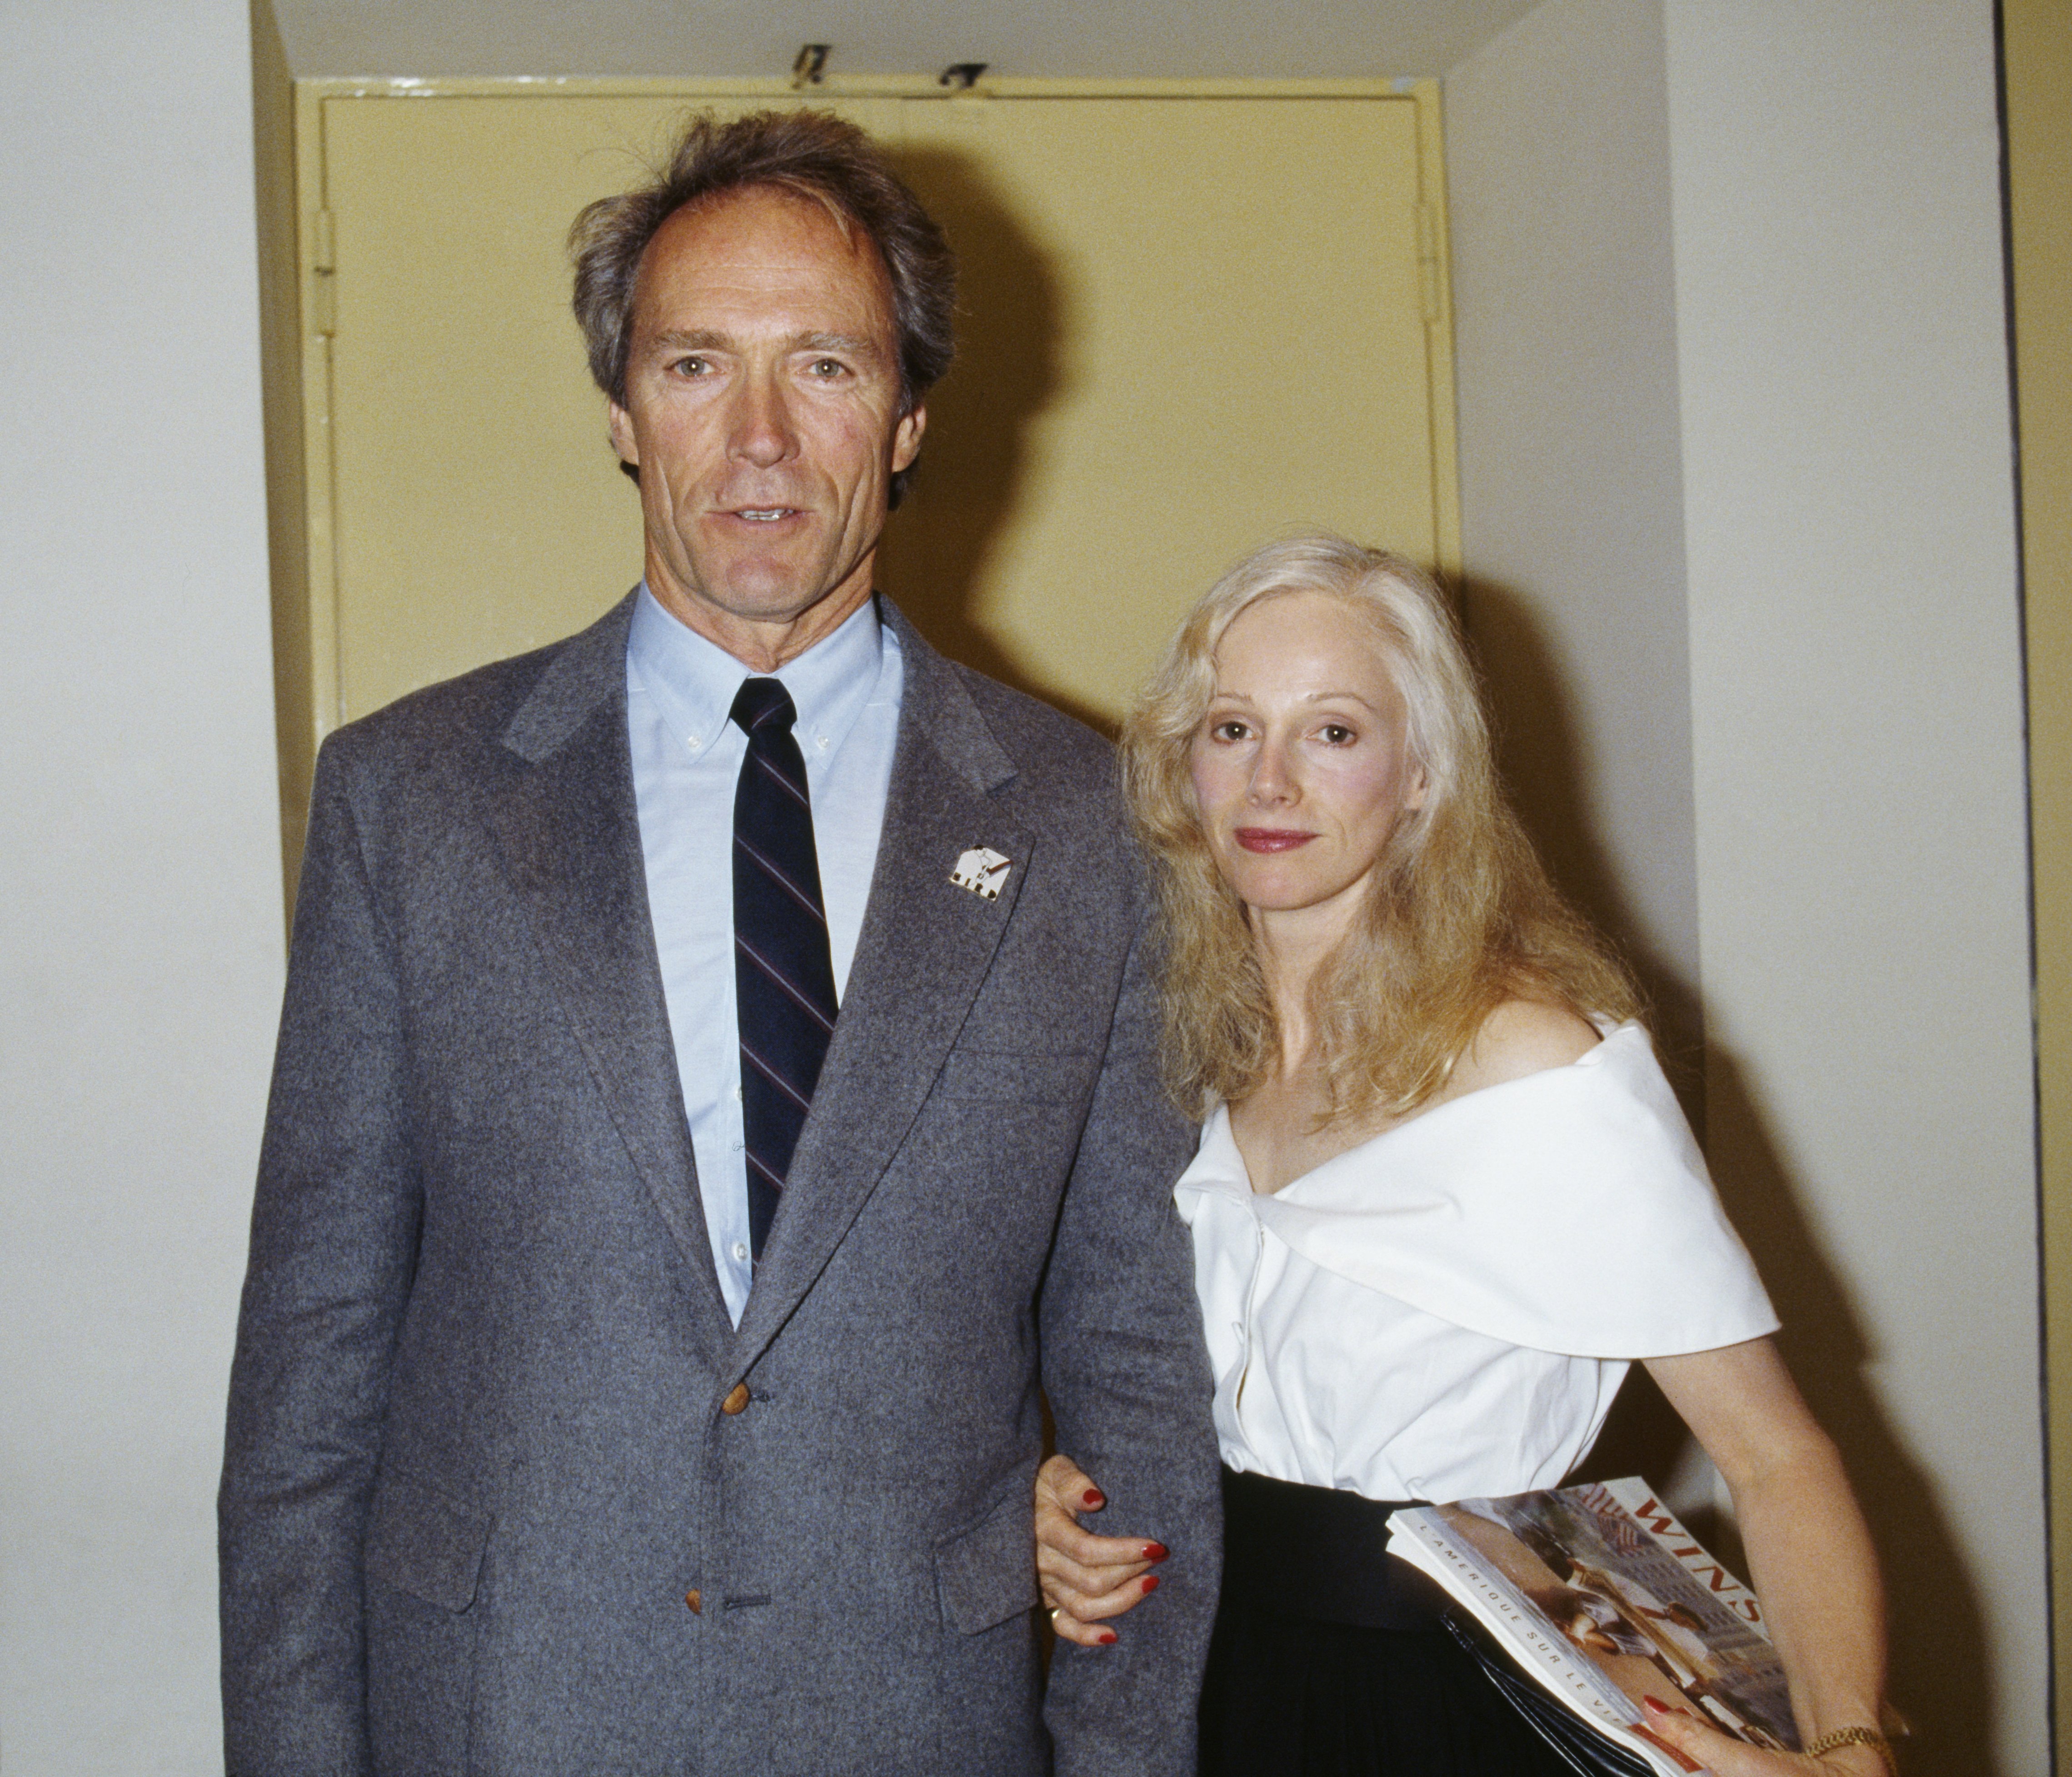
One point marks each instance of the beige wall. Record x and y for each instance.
(2039, 123)
(1808, 468)
(141, 961)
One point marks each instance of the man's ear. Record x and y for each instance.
(906, 437)
(622, 436)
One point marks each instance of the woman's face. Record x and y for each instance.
(1300, 765)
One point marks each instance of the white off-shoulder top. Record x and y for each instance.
(1445, 1311)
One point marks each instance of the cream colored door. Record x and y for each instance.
(1190, 320)
(1192, 323)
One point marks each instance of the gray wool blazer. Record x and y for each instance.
(485, 1508)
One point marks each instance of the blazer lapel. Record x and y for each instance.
(923, 953)
(570, 833)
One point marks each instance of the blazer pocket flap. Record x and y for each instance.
(421, 1543)
(987, 1573)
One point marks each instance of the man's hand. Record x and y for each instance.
(1087, 1579)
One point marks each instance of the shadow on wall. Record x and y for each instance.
(1540, 760)
(1011, 321)
(1941, 1676)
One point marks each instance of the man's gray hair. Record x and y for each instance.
(811, 153)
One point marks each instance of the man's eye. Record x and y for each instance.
(827, 368)
(691, 367)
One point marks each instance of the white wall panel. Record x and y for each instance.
(1732, 355)
(140, 953)
(1856, 725)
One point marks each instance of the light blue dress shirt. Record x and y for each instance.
(687, 757)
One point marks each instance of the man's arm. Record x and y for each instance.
(334, 1238)
(1128, 1383)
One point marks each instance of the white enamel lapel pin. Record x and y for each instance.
(982, 871)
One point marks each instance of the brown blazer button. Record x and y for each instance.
(736, 1398)
(695, 1599)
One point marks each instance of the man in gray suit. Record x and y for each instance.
(715, 1090)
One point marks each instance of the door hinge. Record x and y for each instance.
(323, 267)
(1428, 259)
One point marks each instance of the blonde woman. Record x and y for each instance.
(1429, 1110)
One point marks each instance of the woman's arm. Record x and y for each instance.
(1809, 1552)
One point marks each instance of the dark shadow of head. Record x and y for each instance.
(1539, 758)
(940, 546)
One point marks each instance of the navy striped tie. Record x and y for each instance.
(784, 981)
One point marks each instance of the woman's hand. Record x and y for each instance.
(1087, 1579)
(1725, 1756)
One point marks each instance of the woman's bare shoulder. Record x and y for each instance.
(1521, 1037)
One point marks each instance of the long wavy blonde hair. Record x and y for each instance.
(1459, 916)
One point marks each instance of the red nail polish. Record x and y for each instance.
(1108, 1640)
(1656, 1706)
(1095, 1499)
(1156, 1551)
(1149, 1582)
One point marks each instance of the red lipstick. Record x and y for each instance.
(1270, 839)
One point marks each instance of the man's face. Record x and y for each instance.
(763, 408)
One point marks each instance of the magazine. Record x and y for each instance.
(1600, 1594)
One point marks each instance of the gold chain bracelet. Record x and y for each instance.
(1838, 1738)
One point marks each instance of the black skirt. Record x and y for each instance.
(1294, 1689)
